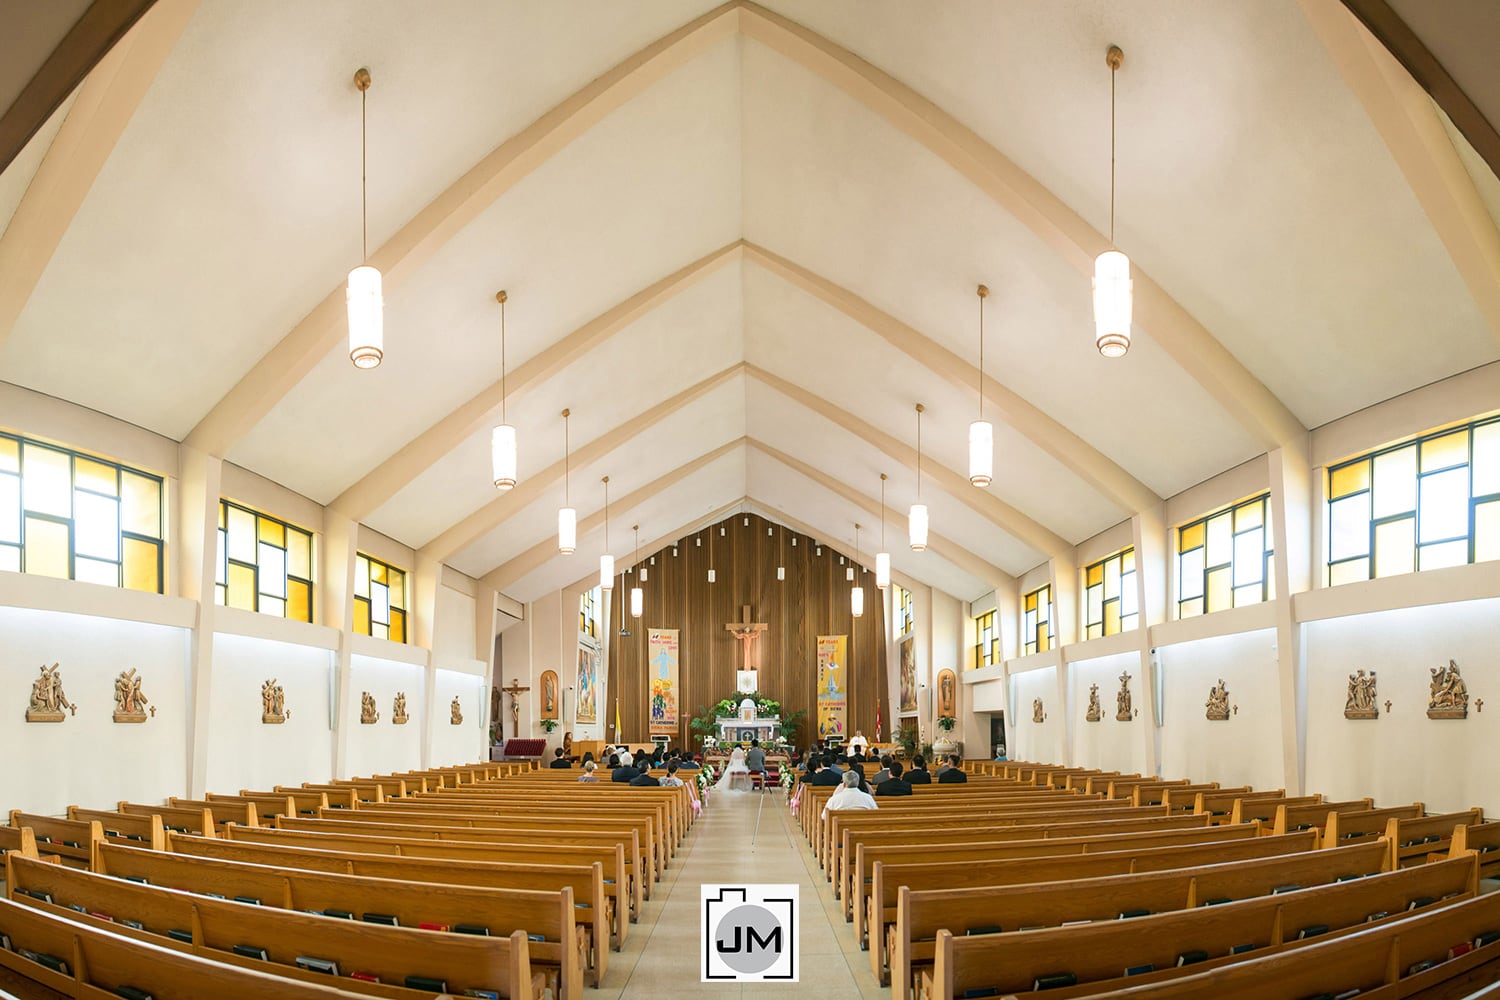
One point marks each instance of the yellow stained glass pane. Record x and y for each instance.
(361, 576)
(1220, 540)
(1396, 547)
(241, 537)
(1095, 631)
(10, 455)
(398, 588)
(1095, 598)
(271, 531)
(299, 553)
(141, 569)
(1448, 450)
(1030, 602)
(91, 475)
(1349, 572)
(1112, 618)
(1349, 479)
(223, 516)
(1395, 482)
(1219, 597)
(1044, 609)
(1487, 531)
(1191, 609)
(1043, 642)
(1095, 575)
(1127, 560)
(361, 616)
(1190, 537)
(398, 626)
(377, 571)
(140, 505)
(1251, 515)
(241, 590)
(47, 484)
(298, 601)
(1112, 579)
(47, 548)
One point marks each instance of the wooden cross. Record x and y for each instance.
(515, 691)
(746, 632)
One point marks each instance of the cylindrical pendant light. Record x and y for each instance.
(780, 553)
(916, 518)
(981, 434)
(1113, 290)
(606, 561)
(567, 517)
(882, 558)
(637, 595)
(363, 298)
(856, 593)
(711, 574)
(503, 437)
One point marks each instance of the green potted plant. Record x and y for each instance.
(906, 739)
(548, 724)
(946, 744)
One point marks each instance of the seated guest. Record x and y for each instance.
(849, 796)
(814, 765)
(918, 775)
(831, 763)
(755, 759)
(621, 772)
(954, 775)
(559, 761)
(885, 770)
(893, 785)
(943, 765)
(827, 776)
(644, 779)
(588, 757)
(588, 771)
(858, 768)
(671, 780)
(687, 763)
(626, 760)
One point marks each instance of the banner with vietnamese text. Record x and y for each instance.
(661, 658)
(833, 692)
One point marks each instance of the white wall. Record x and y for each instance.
(463, 743)
(384, 747)
(1108, 744)
(1040, 742)
(1404, 756)
(88, 759)
(453, 635)
(1245, 750)
(244, 752)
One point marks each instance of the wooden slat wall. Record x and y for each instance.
(813, 600)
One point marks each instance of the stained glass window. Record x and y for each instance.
(264, 564)
(987, 637)
(903, 610)
(1036, 619)
(78, 517)
(1110, 602)
(1424, 504)
(588, 613)
(1226, 559)
(380, 593)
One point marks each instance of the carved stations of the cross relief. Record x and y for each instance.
(1095, 712)
(455, 713)
(273, 710)
(130, 703)
(47, 697)
(368, 713)
(398, 710)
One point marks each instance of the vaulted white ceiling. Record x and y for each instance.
(741, 259)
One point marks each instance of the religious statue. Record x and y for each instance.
(1450, 696)
(549, 694)
(1361, 702)
(47, 697)
(455, 713)
(1037, 713)
(368, 713)
(1095, 713)
(1123, 711)
(1218, 703)
(130, 703)
(746, 632)
(515, 691)
(398, 710)
(273, 703)
(947, 694)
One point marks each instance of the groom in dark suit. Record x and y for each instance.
(755, 760)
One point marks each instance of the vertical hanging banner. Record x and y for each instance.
(587, 710)
(833, 692)
(661, 655)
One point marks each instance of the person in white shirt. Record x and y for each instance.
(858, 740)
(848, 796)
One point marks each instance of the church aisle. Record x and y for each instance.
(661, 957)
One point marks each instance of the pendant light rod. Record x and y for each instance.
(502, 297)
(984, 292)
(605, 481)
(567, 517)
(362, 81)
(981, 432)
(920, 408)
(1114, 57)
(567, 496)
(882, 511)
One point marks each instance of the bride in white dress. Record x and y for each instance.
(736, 766)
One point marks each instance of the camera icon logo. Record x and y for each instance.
(750, 933)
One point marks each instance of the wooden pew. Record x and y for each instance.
(310, 800)
(124, 828)
(99, 958)
(267, 807)
(1219, 804)
(1343, 827)
(354, 792)
(1124, 788)
(22, 840)
(665, 825)
(71, 840)
(675, 804)
(1314, 816)
(959, 872)
(1413, 840)
(411, 903)
(390, 953)
(221, 811)
(1098, 953)
(1263, 808)
(921, 914)
(618, 869)
(1155, 793)
(1484, 840)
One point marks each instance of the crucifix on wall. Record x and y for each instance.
(515, 691)
(747, 631)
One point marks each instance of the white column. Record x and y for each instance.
(336, 610)
(196, 536)
(1153, 584)
(427, 578)
(1291, 531)
(1065, 604)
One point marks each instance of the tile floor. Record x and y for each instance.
(660, 959)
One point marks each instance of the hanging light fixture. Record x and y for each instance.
(711, 556)
(1112, 284)
(857, 593)
(606, 561)
(567, 517)
(781, 553)
(981, 434)
(637, 595)
(363, 297)
(503, 437)
(882, 558)
(916, 519)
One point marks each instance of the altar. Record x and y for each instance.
(748, 725)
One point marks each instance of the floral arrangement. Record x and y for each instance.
(787, 778)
